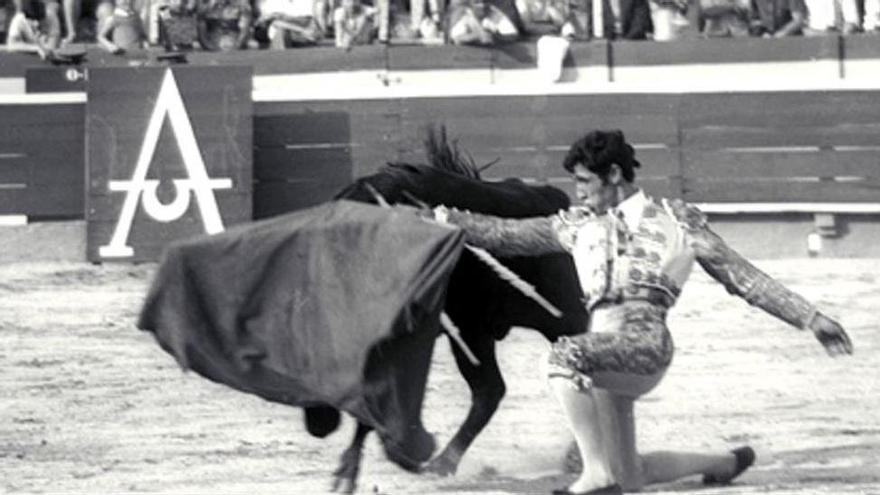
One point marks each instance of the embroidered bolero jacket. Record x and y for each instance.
(642, 248)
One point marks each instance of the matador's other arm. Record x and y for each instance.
(740, 277)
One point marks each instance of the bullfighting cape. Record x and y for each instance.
(335, 305)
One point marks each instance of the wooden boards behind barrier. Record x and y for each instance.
(763, 147)
(41, 160)
(781, 147)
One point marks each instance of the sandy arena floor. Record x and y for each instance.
(88, 404)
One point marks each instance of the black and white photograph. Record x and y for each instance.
(428, 247)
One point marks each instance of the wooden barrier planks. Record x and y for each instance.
(305, 152)
(419, 57)
(783, 163)
(754, 190)
(860, 47)
(724, 147)
(41, 160)
(318, 147)
(789, 147)
(295, 61)
(502, 128)
(14, 168)
(787, 112)
(728, 50)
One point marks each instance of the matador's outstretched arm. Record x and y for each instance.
(742, 278)
(506, 236)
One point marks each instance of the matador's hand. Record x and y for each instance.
(441, 214)
(831, 335)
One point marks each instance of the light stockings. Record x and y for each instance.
(582, 412)
(604, 429)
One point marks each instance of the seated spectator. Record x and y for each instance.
(621, 19)
(322, 12)
(382, 16)
(401, 25)
(537, 14)
(474, 22)
(290, 22)
(831, 16)
(176, 25)
(872, 16)
(725, 18)
(151, 23)
(778, 18)
(6, 13)
(567, 18)
(668, 18)
(353, 24)
(428, 26)
(31, 31)
(224, 25)
(123, 31)
(84, 18)
(51, 22)
(509, 10)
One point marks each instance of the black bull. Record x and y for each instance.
(482, 305)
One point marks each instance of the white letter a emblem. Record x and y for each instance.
(168, 103)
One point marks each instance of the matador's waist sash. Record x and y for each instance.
(652, 295)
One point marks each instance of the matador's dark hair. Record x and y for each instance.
(598, 150)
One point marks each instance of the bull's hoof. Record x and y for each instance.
(441, 466)
(342, 484)
(346, 475)
(410, 456)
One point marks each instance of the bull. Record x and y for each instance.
(483, 306)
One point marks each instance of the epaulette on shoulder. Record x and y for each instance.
(688, 215)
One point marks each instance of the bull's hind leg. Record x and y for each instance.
(487, 390)
(345, 476)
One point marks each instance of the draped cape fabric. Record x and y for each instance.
(335, 305)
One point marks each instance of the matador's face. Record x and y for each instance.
(594, 192)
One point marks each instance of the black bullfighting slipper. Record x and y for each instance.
(745, 457)
(607, 490)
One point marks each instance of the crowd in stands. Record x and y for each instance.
(41, 26)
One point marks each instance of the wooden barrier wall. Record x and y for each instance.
(786, 147)
(758, 147)
(42, 171)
